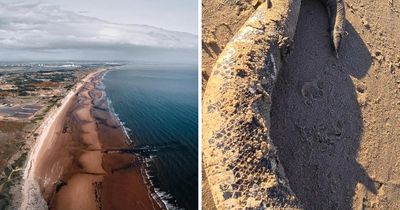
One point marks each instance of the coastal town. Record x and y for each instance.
(24, 93)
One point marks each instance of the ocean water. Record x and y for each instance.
(158, 104)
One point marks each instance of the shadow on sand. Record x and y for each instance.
(316, 120)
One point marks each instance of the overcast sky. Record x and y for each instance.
(96, 29)
(178, 15)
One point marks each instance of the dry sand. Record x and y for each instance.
(334, 122)
(71, 170)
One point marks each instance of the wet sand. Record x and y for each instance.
(70, 168)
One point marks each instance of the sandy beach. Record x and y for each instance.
(66, 168)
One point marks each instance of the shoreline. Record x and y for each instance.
(50, 118)
(160, 196)
(30, 188)
(75, 167)
(153, 193)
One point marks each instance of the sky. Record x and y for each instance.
(98, 29)
(178, 15)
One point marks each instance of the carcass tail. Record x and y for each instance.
(337, 19)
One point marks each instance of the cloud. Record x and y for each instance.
(39, 27)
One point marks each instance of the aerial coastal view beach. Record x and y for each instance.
(99, 111)
(68, 161)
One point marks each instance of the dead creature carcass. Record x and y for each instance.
(239, 159)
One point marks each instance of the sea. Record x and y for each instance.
(158, 106)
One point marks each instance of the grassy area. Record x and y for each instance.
(10, 127)
(10, 177)
(20, 161)
(12, 140)
(9, 147)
